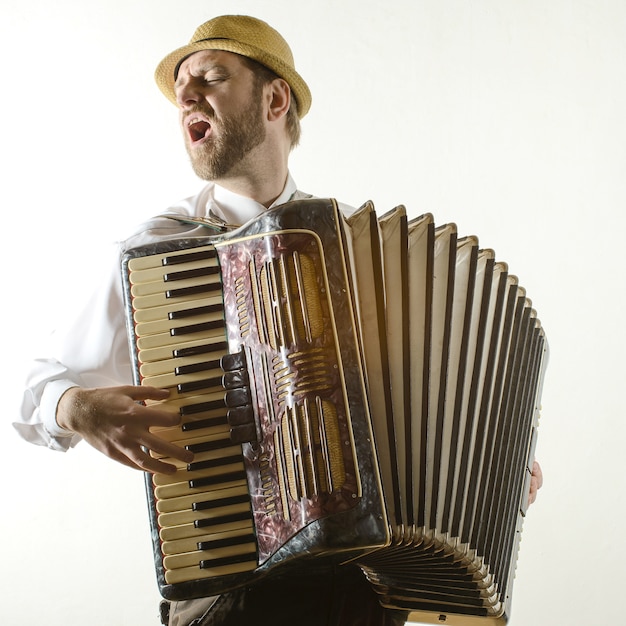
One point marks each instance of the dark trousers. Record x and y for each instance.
(339, 596)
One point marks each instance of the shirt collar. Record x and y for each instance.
(235, 209)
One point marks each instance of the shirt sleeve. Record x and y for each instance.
(90, 350)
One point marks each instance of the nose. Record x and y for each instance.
(187, 91)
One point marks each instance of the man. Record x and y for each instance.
(240, 100)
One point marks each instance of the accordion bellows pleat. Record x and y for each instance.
(362, 389)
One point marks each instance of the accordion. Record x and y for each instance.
(358, 389)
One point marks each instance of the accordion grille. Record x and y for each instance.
(308, 447)
(287, 301)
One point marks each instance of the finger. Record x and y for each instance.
(537, 474)
(147, 463)
(159, 416)
(122, 458)
(155, 414)
(163, 448)
(139, 458)
(140, 392)
(135, 458)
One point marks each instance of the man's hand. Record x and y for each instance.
(113, 420)
(536, 481)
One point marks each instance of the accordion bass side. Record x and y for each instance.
(361, 390)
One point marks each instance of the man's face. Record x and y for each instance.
(221, 112)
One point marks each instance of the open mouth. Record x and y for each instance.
(198, 128)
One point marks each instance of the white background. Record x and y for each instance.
(506, 117)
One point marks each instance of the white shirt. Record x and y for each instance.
(92, 349)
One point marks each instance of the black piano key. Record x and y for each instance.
(235, 361)
(198, 385)
(208, 446)
(209, 481)
(189, 257)
(194, 290)
(197, 367)
(242, 516)
(242, 498)
(200, 310)
(243, 434)
(238, 397)
(220, 420)
(197, 328)
(241, 415)
(203, 349)
(201, 407)
(209, 463)
(228, 560)
(225, 542)
(193, 273)
(236, 378)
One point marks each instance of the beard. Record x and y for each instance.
(233, 137)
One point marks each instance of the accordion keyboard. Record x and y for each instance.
(204, 516)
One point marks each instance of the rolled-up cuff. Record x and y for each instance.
(48, 407)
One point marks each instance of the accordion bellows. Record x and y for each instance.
(357, 389)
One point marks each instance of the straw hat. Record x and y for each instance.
(243, 35)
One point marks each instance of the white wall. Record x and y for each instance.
(504, 116)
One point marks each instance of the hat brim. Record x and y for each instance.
(165, 74)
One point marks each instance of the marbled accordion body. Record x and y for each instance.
(355, 389)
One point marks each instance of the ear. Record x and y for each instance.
(279, 99)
